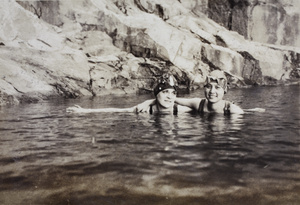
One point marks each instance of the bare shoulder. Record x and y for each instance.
(235, 109)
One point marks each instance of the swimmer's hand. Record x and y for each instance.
(255, 110)
(76, 108)
(144, 106)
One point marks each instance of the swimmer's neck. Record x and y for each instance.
(216, 106)
(161, 108)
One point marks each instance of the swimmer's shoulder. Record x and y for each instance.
(235, 109)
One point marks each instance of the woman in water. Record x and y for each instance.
(214, 90)
(165, 94)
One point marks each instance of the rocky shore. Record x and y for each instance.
(92, 47)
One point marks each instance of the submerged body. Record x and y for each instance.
(214, 90)
(165, 103)
(165, 93)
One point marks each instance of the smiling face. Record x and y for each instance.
(214, 92)
(166, 97)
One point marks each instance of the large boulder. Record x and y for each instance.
(35, 61)
(35, 74)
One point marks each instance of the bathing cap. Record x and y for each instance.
(218, 77)
(166, 81)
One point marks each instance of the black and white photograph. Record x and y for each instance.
(150, 102)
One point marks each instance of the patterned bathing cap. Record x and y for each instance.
(218, 77)
(166, 81)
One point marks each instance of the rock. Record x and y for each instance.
(88, 47)
(101, 77)
(67, 75)
(265, 21)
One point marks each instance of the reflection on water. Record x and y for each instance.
(49, 156)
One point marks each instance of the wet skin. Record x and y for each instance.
(214, 92)
(166, 98)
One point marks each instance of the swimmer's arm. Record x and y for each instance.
(131, 109)
(183, 109)
(255, 110)
(78, 109)
(192, 103)
(235, 109)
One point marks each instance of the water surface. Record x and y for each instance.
(49, 156)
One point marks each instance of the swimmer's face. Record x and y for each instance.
(213, 92)
(166, 97)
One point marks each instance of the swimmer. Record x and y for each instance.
(165, 94)
(215, 88)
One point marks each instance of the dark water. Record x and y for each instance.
(49, 156)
